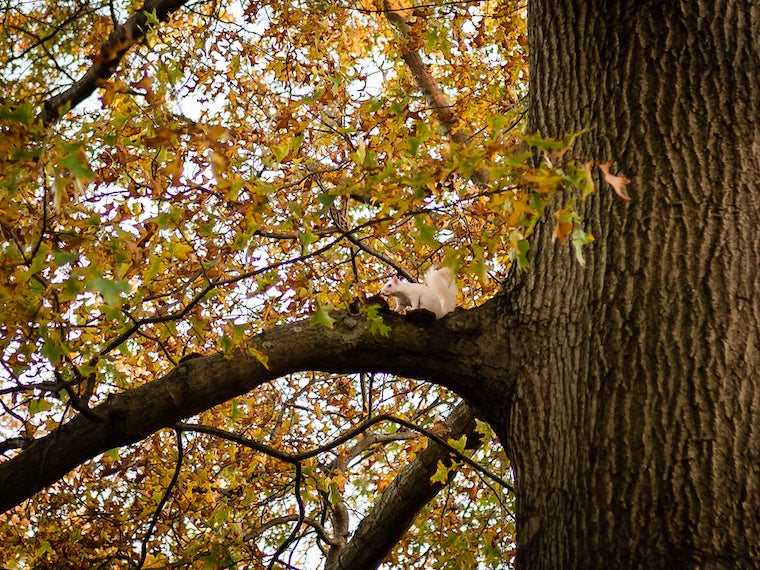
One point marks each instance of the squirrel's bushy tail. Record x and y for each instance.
(443, 284)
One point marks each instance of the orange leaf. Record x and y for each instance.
(564, 225)
(562, 230)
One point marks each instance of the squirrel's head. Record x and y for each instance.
(390, 286)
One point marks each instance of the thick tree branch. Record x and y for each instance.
(449, 352)
(109, 57)
(394, 513)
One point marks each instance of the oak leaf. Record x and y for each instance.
(618, 183)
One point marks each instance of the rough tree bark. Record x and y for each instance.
(635, 430)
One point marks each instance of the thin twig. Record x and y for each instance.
(162, 502)
(299, 522)
(294, 458)
(315, 524)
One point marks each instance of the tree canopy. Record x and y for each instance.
(229, 180)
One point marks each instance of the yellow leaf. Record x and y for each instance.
(564, 226)
(588, 186)
(441, 474)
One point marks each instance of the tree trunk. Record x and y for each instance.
(635, 431)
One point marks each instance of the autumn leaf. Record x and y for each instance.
(460, 444)
(21, 113)
(564, 225)
(375, 321)
(579, 239)
(258, 355)
(588, 181)
(519, 249)
(75, 161)
(618, 182)
(111, 289)
(441, 474)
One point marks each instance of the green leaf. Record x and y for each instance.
(459, 444)
(235, 412)
(482, 428)
(579, 239)
(19, 113)
(308, 238)
(71, 289)
(334, 495)
(112, 454)
(413, 145)
(76, 162)
(375, 321)
(426, 232)
(322, 316)
(519, 251)
(61, 258)
(360, 155)
(37, 406)
(226, 344)
(110, 289)
(280, 151)
(552, 146)
(441, 474)
(44, 548)
(52, 350)
(37, 263)
(374, 105)
(326, 200)
(151, 17)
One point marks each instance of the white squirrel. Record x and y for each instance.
(438, 294)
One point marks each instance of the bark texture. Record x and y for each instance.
(635, 436)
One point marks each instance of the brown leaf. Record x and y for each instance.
(618, 183)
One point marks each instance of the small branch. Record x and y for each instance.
(38, 41)
(315, 524)
(427, 84)
(162, 502)
(295, 458)
(79, 403)
(299, 521)
(202, 293)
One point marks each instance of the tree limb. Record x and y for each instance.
(394, 513)
(201, 383)
(108, 58)
(428, 86)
